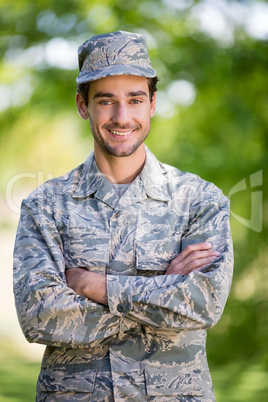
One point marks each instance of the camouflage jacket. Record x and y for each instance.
(149, 343)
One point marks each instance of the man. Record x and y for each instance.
(122, 264)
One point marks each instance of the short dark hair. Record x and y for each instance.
(83, 89)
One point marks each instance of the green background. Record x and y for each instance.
(214, 124)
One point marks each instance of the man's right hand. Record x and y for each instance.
(192, 258)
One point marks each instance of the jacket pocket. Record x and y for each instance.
(173, 381)
(58, 379)
(156, 255)
(82, 249)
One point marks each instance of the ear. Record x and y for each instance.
(81, 106)
(153, 104)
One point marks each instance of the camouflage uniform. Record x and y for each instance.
(148, 344)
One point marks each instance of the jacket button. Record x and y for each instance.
(120, 308)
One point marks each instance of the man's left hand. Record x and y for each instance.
(87, 284)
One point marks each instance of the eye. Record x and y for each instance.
(105, 102)
(136, 101)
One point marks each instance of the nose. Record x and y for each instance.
(120, 114)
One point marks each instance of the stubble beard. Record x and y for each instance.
(114, 150)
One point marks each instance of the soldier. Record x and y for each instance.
(121, 265)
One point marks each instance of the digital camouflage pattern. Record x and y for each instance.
(149, 343)
(116, 53)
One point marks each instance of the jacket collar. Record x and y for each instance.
(151, 181)
(90, 179)
(153, 176)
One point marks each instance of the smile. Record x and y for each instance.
(120, 133)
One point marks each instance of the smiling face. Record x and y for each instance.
(119, 112)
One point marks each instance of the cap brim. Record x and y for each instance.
(118, 69)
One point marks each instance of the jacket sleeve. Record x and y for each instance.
(48, 310)
(181, 302)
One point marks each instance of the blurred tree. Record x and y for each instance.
(212, 61)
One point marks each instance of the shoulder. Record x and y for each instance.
(57, 186)
(191, 185)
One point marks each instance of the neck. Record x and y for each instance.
(120, 170)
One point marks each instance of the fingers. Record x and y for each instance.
(191, 248)
(87, 284)
(192, 258)
(74, 277)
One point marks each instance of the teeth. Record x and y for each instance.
(117, 133)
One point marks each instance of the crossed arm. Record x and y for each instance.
(87, 311)
(93, 286)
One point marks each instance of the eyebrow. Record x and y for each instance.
(111, 95)
(138, 93)
(103, 95)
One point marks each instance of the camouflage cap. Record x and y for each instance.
(116, 53)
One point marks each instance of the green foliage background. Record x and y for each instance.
(221, 136)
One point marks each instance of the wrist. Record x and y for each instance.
(95, 288)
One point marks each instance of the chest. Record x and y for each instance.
(140, 239)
